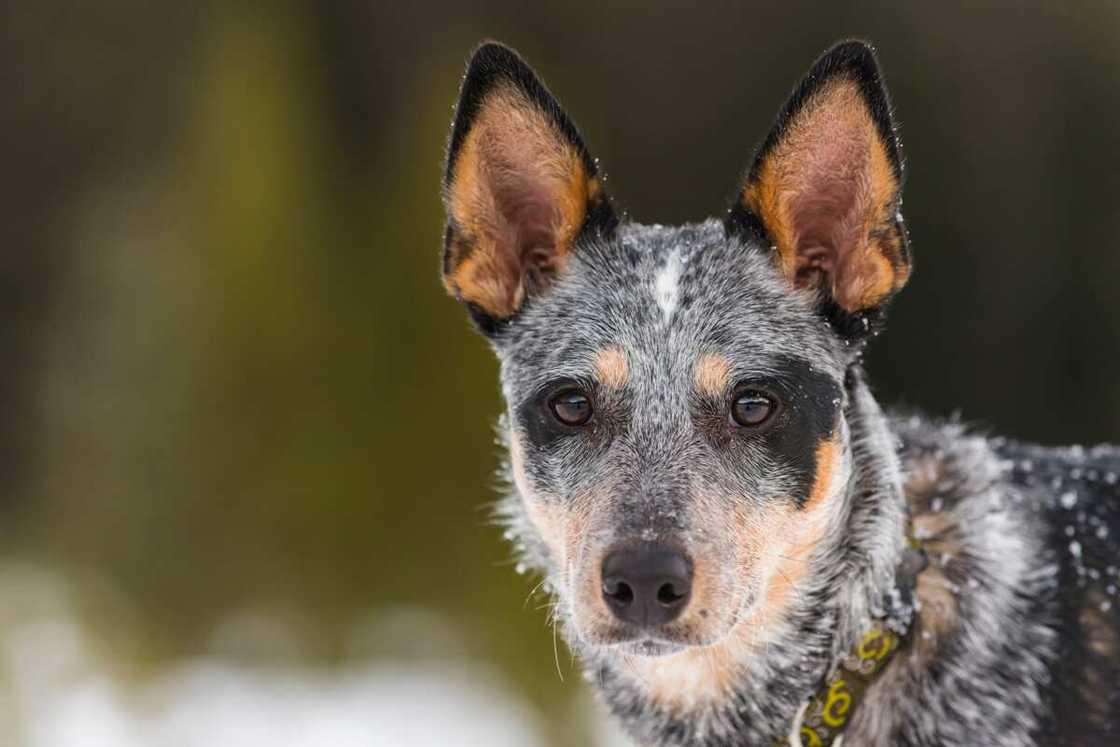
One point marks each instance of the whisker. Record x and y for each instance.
(556, 653)
(532, 592)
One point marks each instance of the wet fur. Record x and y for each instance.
(1016, 636)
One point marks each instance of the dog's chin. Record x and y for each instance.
(647, 644)
(614, 642)
(650, 648)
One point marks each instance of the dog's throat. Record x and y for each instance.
(821, 720)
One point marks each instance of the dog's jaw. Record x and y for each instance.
(748, 686)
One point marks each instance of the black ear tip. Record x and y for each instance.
(856, 59)
(493, 56)
(852, 48)
(852, 56)
(490, 63)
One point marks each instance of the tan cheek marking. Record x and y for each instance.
(828, 452)
(792, 536)
(612, 369)
(790, 568)
(713, 372)
(548, 517)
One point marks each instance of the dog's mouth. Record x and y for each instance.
(651, 648)
(671, 639)
(651, 642)
(644, 643)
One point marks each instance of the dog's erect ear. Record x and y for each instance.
(519, 188)
(825, 187)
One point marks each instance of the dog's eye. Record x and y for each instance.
(571, 407)
(751, 408)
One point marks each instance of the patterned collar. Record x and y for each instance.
(821, 720)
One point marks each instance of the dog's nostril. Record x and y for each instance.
(620, 592)
(646, 584)
(668, 595)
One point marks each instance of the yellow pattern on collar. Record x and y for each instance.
(823, 718)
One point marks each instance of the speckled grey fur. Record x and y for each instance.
(1024, 646)
(994, 682)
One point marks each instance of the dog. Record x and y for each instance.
(742, 547)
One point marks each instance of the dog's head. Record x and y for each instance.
(676, 399)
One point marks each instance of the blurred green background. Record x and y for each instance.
(232, 385)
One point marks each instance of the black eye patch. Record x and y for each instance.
(805, 414)
(538, 415)
(810, 407)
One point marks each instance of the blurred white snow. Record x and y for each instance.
(59, 689)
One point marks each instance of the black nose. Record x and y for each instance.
(646, 584)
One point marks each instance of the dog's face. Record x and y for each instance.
(658, 410)
(675, 395)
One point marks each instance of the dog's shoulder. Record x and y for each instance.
(945, 462)
(1077, 490)
(1024, 548)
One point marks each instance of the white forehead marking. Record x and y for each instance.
(665, 285)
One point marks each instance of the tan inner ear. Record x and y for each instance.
(518, 197)
(827, 194)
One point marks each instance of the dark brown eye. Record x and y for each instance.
(571, 407)
(751, 409)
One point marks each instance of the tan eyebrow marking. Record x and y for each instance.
(713, 372)
(612, 368)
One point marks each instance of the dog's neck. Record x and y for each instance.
(748, 687)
